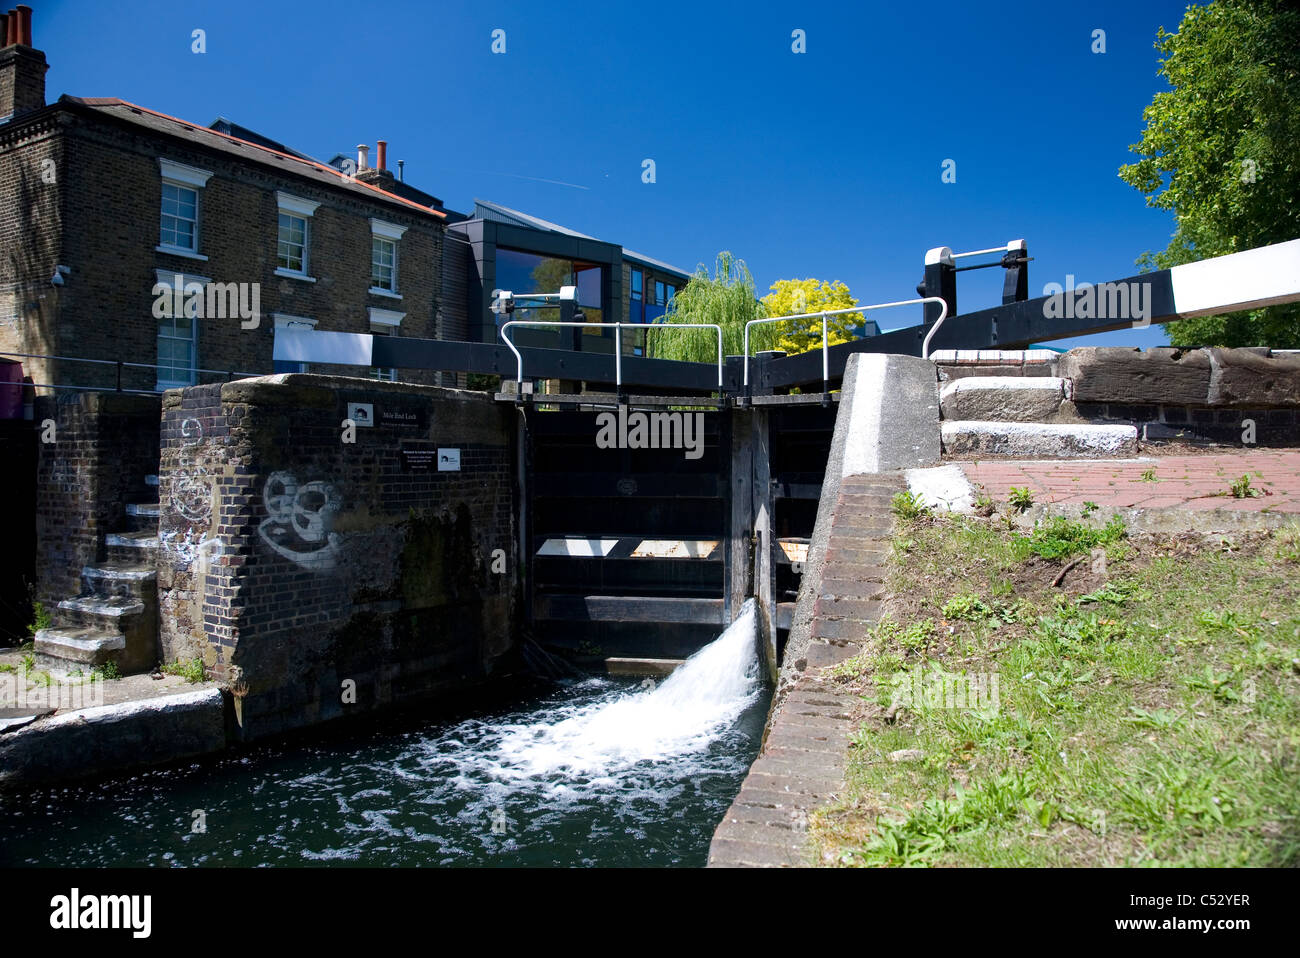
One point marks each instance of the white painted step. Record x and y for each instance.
(150, 510)
(132, 540)
(976, 439)
(118, 572)
(85, 645)
(1003, 398)
(113, 607)
(984, 357)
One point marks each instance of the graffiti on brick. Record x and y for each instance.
(190, 546)
(191, 484)
(299, 520)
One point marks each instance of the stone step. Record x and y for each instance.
(119, 578)
(1004, 398)
(982, 439)
(150, 510)
(133, 546)
(151, 481)
(88, 646)
(97, 611)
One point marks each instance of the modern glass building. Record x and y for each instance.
(500, 248)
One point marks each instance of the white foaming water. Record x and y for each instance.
(691, 709)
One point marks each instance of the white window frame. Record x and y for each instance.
(167, 277)
(392, 233)
(384, 322)
(188, 178)
(303, 209)
(289, 321)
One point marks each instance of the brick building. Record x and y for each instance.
(137, 246)
(135, 237)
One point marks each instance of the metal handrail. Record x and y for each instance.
(618, 341)
(943, 314)
(1006, 248)
(119, 363)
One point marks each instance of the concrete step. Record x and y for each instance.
(981, 439)
(119, 579)
(97, 611)
(140, 545)
(84, 645)
(1004, 398)
(964, 363)
(133, 618)
(150, 510)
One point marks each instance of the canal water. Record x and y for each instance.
(593, 772)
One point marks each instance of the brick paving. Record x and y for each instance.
(801, 765)
(1184, 482)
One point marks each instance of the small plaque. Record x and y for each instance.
(362, 413)
(449, 460)
(418, 458)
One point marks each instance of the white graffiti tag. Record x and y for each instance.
(191, 546)
(299, 519)
(191, 488)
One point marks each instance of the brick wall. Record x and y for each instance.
(293, 561)
(30, 238)
(104, 446)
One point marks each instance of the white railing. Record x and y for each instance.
(925, 346)
(618, 341)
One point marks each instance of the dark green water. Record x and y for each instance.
(592, 773)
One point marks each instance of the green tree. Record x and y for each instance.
(727, 299)
(793, 296)
(1221, 150)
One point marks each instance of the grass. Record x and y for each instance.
(1242, 489)
(106, 672)
(1147, 714)
(908, 505)
(41, 618)
(1058, 538)
(1020, 497)
(191, 670)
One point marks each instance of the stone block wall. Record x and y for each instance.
(1228, 396)
(323, 571)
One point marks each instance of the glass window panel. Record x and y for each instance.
(383, 261)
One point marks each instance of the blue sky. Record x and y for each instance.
(823, 164)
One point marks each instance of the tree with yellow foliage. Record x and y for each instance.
(811, 296)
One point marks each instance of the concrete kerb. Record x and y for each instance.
(108, 739)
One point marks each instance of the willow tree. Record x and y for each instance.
(726, 299)
(1221, 151)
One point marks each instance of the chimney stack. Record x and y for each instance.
(363, 157)
(379, 175)
(22, 68)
